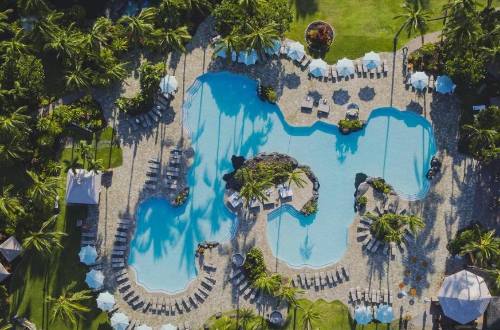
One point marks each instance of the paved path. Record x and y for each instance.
(447, 206)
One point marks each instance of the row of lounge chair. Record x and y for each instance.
(357, 296)
(322, 279)
(360, 71)
(120, 248)
(152, 117)
(172, 172)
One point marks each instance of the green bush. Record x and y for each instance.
(254, 265)
(361, 201)
(310, 207)
(270, 95)
(351, 124)
(379, 184)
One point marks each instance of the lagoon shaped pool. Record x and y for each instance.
(226, 118)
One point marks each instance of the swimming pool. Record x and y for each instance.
(225, 118)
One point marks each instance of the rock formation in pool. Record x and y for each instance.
(269, 180)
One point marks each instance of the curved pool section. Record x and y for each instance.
(225, 118)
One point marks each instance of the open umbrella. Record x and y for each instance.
(248, 57)
(88, 255)
(296, 51)
(144, 327)
(318, 68)
(105, 301)
(168, 327)
(345, 67)
(445, 85)
(168, 84)
(119, 321)
(371, 60)
(362, 315)
(419, 80)
(94, 279)
(384, 314)
(275, 49)
(223, 52)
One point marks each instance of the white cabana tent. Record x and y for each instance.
(3, 273)
(318, 68)
(11, 248)
(464, 296)
(168, 326)
(105, 301)
(87, 255)
(119, 321)
(168, 85)
(248, 57)
(419, 80)
(275, 49)
(296, 51)
(94, 279)
(444, 85)
(371, 60)
(83, 187)
(345, 67)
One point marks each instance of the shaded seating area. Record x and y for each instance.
(83, 187)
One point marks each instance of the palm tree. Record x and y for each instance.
(15, 47)
(140, 26)
(32, 6)
(72, 164)
(78, 77)
(253, 189)
(14, 123)
(95, 165)
(310, 315)
(69, 306)
(381, 225)
(229, 44)
(201, 6)
(250, 6)
(245, 315)
(414, 223)
(262, 38)
(479, 139)
(268, 284)
(174, 39)
(10, 205)
(44, 241)
(11, 152)
(4, 17)
(295, 177)
(66, 43)
(47, 26)
(85, 151)
(415, 18)
(43, 189)
(483, 248)
(100, 33)
(289, 293)
(495, 275)
(225, 323)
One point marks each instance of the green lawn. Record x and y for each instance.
(36, 278)
(360, 26)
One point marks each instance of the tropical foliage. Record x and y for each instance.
(391, 227)
(482, 136)
(69, 306)
(380, 185)
(415, 16)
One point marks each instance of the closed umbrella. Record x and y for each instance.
(248, 57)
(445, 85)
(419, 80)
(318, 68)
(464, 296)
(345, 67)
(168, 84)
(168, 327)
(371, 60)
(144, 327)
(94, 279)
(88, 255)
(362, 315)
(119, 321)
(384, 314)
(275, 49)
(105, 301)
(296, 51)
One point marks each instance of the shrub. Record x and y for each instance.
(270, 95)
(254, 265)
(310, 207)
(379, 184)
(350, 124)
(181, 197)
(361, 201)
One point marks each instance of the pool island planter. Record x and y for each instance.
(319, 36)
(346, 129)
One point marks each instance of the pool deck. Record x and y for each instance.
(447, 206)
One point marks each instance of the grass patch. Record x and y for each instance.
(229, 321)
(360, 26)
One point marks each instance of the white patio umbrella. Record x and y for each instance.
(419, 80)
(144, 327)
(384, 314)
(296, 51)
(464, 296)
(248, 57)
(168, 326)
(88, 255)
(345, 67)
(119, 321)
(318, 68)
(105, 301)
(371, 60)
(94, 279)
(168, 84)
(275, 49)
(362, 315)
(445, 85)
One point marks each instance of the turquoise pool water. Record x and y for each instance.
(225, 118)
